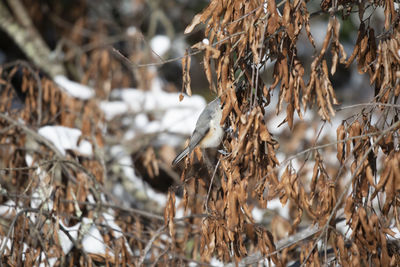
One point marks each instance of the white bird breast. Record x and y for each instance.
(214, 136)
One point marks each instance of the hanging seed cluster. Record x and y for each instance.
(241, 37)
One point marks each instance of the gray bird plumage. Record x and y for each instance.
(210, 117)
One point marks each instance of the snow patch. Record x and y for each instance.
(113, 108)
(65, 138)
(65, 243)
(73, 88)
(7, 210)
(283, 210)
(257, 214)
(93, 241)
(160, 44)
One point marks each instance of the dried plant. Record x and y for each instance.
(341, 196)
(243, 36)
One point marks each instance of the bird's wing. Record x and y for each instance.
(198, 135)
(203, 124)
(195, 139)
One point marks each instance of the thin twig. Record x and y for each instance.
(140, 212)
(150, 243)
(367, 104)
(163, 62)
(211, 184)
(331, 144)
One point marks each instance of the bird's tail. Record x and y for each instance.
(181, 156)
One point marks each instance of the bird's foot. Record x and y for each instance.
(223, 152)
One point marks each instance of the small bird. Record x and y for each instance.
(208, 131)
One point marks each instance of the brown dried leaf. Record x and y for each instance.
(196, 20)
(289, 115)
(207, 68)
(233, 99)
(390, 14)
(274, 20)
(349, 208)
(362, 52)
(202, 17)
(169, 213)
(356, 50)
(227, 108)
(264, 134)
(327, 38)
(340, 133)
(186, 60)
